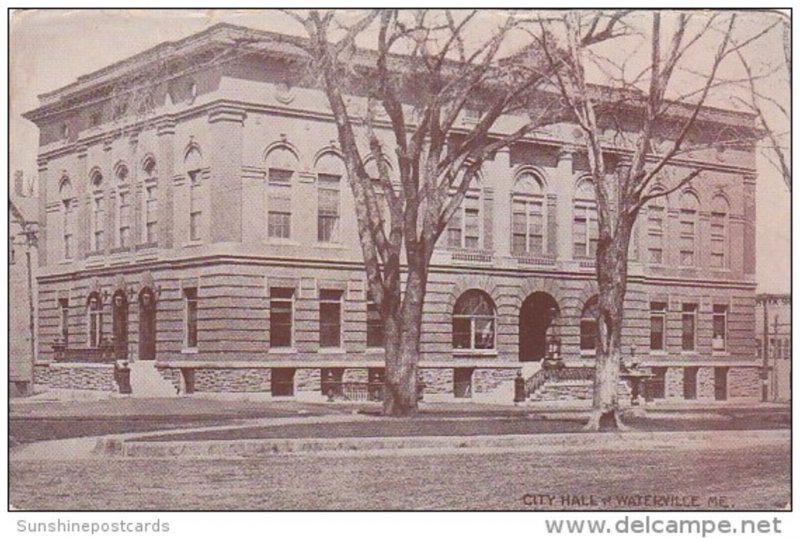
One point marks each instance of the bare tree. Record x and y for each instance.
(769, 104)
(665, 126)
(424, 70)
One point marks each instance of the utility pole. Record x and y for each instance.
(765, 344)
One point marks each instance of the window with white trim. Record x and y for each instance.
(719, 230)
(687, 228)
(330, 318)
(328, 209)
(528, 224)
(584, 221)
(688, 326)
(279, 203)
(474, 321)
(464, 227)
(655, 233)
(719, 338)
(658, 326)
(94, 308)
(281, 308)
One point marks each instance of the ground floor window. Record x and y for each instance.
(721, 383)
(473, 321)
(282, 382)
(190, 330)
(690, 383)
(658, 323)
(63, 307)
(280, 317)
(720, 322)
(462, 382)
(95, 321)
(656, 386)
(330, 318)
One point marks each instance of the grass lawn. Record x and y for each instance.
(751, 478)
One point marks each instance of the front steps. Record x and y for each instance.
(146, 381)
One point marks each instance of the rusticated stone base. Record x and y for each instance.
(75, 376)
(565, 391)
(744, 384)
(231, 379)
(437, 380)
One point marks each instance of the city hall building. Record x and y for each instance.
(212, 243)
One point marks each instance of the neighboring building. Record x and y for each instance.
(774, 318)
(215, 238)
(22, 265)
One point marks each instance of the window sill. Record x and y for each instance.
(720, 353)
(281, 351)
(373, 350)
(332, 350)
(189, 351)
(475, 352)
(332, 246)
(282, 242)
(659, 353)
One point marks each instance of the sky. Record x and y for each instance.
(51, 49)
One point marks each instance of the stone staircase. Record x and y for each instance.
(564, 384)
(147, 382)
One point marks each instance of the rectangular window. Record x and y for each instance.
(282, 382)
(758, 348)
(655, 233)
(98, 224)
(63, 307)
(279, 215)
(328, 208)
(688, 326)
(721, 383)
(195, 206)
(151, 214)
(330, 318)
(464, 228)
(717, 240)
(95, 322)
(656, 386)
(690, 383)
(123, 238)
(462, 382)
(527, 225)
(281, 302)
(588, 334)
(584, 231)
(658, 323)
(190, 335)
(68, 224)
(687, 235)
(374, 324)
(720, 328)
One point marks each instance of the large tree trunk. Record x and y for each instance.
(403, 332)
(612, 276)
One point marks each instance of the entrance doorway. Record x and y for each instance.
(536, 316)
(119, 321)
(147, 325)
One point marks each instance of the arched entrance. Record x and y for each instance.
(536, 316)
(147, 325)
(119, 317)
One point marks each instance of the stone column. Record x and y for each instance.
(82, 189)
(749, 236)
(165, 170)
(565, 189)
(225, 190)
(500, 171)
(44, 187)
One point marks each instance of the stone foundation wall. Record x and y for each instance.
(232, 379)
(744, 383)
(673, 384)
(173, 375)
(565, 391)
(486, 380)
(437, 380)
(705, 383)
(355, 375)
(76, 376)
(309, 380)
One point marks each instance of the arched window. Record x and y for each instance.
(688, 229)
(193, 164)
(94, 319)
(98, 216)
(656, 222)
(584, 223)
(330, 170)
(589, 326)
(68, 208)
(123, 213)
(281, 168)
(150, 201)
(719, 232)
(528, 225)
(474, 321)
(464, 228)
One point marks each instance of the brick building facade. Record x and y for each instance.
(214, 239)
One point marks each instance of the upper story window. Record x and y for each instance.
(528, 218)
(719, 232)
(464, 227)
(68, 208)
(656, 223)
(150, 202)
(190, 319)
(123, 213)
(281, 166)
(330, 170)
(584, 223)
(687, 239)
(98, 215)
(474, 321)
(193, 163)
